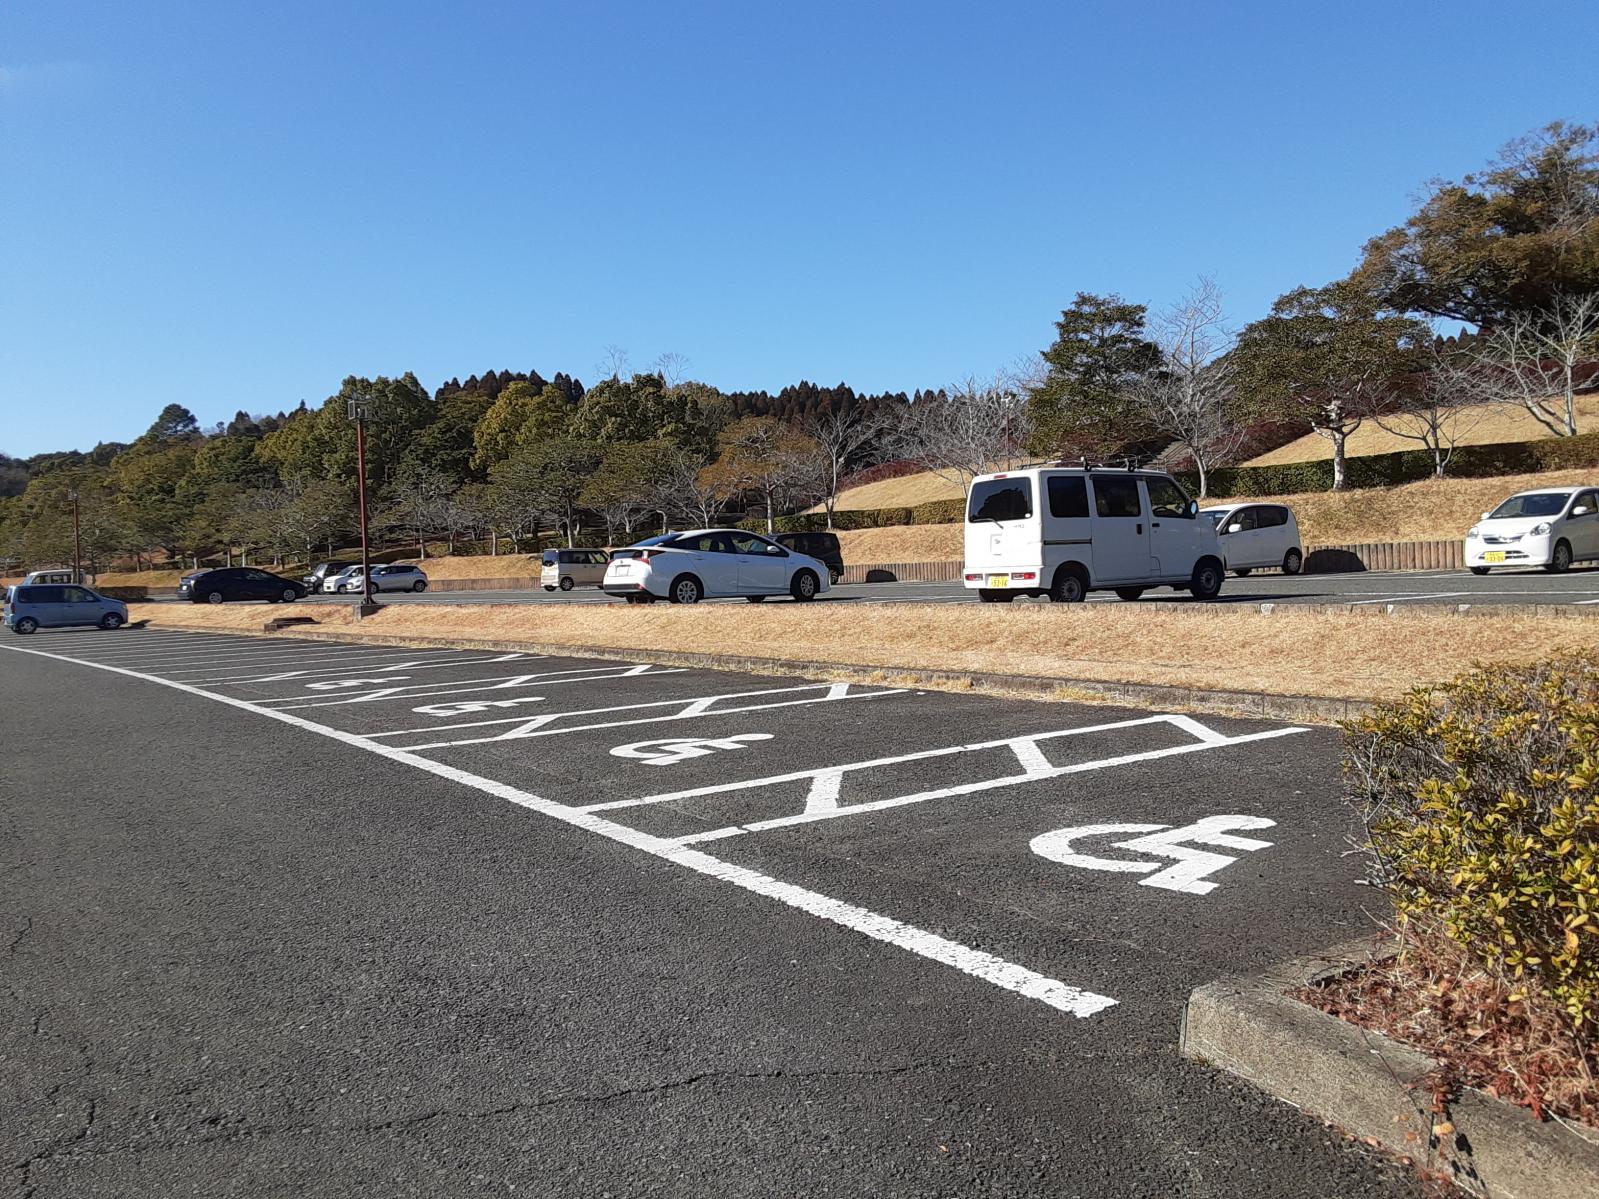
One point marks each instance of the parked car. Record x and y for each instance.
(239, 583)
(30, 606)
(1258, 536)
(1549, 528)
(322, 572)
(396, 577)
(823, 547)
(51, 576)
(707, 563)
(1066, 531)
(567, 569)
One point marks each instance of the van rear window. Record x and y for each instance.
(1001, 499)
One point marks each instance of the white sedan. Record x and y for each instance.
(710, 563)
(1551, 529)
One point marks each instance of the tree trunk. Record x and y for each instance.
(494, 542)
(1339, 438)
(1204, 474)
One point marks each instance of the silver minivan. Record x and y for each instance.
(567, 569)
(30, 606)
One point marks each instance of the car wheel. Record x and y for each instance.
(25, 625)
(1205, 584)
(804, 586)
(1070, 587)
(1130, 593)
(110, 621)
(372, 589)
(988, 596)
(566, 584)
(419, 586)
(686, 589)
(643, 597)
(833, 577)
(1293, 562)
(1561, 562)
(290, 595)
(755, 599)
(549, 588)
(214, 597)
(1244, 573)
(1479, 570)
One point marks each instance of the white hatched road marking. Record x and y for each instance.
(431, 663)
(1396, 599)
(548, 678)
(822, 801)
(975, 962)
(537, 726)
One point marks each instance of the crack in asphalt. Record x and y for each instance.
(22, 935)
(74, 1147)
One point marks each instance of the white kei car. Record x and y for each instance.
(1549, 528)
(1258, 537)
(710, 563)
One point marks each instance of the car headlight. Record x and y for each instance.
(1471, 532)
(1539, 529)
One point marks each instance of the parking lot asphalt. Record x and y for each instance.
(1579, 587)
(307, 919)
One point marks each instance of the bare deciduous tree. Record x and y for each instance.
(1444, 409)
(1191, 396)
(976, 426)
(1536, 361)
(839, 436)
(683, 491)
(671, 366)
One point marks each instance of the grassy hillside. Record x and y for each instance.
(1481, 425)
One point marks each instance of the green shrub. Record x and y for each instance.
(1481, 797)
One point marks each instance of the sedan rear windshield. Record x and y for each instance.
(1546, 503)
(632, 550)
(1001, 499)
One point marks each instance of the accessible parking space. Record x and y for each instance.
(1089, 857)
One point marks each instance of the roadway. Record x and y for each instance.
(1578, 587)
(293, 918)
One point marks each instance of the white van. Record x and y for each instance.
(50, 576)
(1066, 531)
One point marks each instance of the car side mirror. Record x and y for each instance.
(772, 549)
(1193, 509)
(1485, 516)
(1235, 528)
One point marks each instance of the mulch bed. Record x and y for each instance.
(1465, 1017)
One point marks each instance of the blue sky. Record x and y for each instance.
(234, 206)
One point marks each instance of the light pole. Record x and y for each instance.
(77, 539)
(359, 408)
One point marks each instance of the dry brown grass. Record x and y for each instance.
(902, 492)
(1435, 508)
(1344, 655)
(902, 543)
(480, 566)
(1477, 426)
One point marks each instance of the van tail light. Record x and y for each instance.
(973, 578)
(1024, 574)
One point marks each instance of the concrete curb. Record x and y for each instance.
(1377, 1088)
(1307, 709)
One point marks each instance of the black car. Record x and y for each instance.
(322, 572)
(823, 547)
(239, 583)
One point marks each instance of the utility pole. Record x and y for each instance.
(359, 409)
(77, 539)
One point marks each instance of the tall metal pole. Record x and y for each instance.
(77, 541)
(360, 483)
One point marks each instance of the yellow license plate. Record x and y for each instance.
(1494, 556)
(998, 580)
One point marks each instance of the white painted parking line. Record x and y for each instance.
(548, 678)
(344, 659)
(687, 709)
(1064, 997)
(822, 799)
(435, 662)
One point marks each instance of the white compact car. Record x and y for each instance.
(1551, 529)
(1258, 537)
(567, 569)
(1066, 531)
(709, 563)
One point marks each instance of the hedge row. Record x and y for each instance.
(1405, 466)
